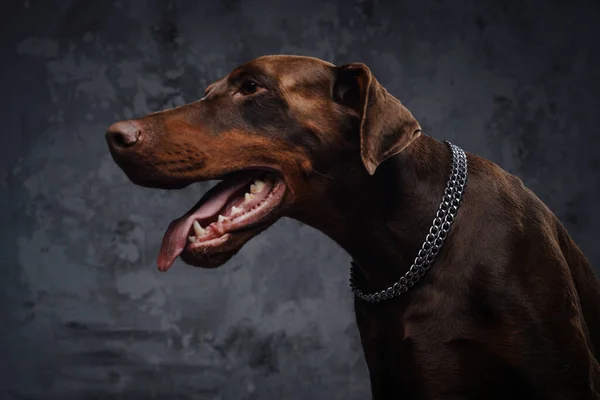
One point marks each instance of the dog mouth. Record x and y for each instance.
(228, 215)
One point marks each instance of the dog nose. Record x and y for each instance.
(124, 134)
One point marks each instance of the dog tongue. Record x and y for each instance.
(175, 238)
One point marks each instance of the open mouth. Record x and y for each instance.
(225, 218)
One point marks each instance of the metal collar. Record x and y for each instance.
(434, 240)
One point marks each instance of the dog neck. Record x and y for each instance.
(381, 220)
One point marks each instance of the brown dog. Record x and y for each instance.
(510, 306)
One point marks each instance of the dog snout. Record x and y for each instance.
(124, 135)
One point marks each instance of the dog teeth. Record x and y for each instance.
(192, 239)
(235, 210)
(198, 229)
(222, 219)
(257, 186)
(248, 197)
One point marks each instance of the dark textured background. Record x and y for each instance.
(83, 309)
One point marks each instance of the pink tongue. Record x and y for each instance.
(175, 238)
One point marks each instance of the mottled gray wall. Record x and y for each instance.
(83, 309)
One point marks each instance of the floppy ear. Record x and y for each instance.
(386, 126)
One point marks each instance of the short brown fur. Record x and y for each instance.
(510, 308)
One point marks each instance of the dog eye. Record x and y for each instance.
(248, 87)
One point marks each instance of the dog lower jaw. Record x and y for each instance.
(218, 251)
(212, 255)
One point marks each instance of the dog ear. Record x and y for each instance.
(386, 127)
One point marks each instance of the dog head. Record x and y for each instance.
(269, 130)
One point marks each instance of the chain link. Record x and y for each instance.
(434, 240)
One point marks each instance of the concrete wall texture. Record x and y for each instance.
(83, 311)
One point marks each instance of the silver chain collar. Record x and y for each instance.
(435, 238)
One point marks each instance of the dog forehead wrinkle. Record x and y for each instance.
(307, 94)
(280, 61)
(306, 78)
(287, 67)
(305, 104)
